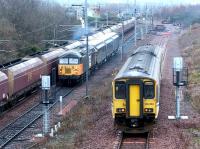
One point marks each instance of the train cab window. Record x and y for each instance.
(63, 61)
(149, 90)
(120, 90)
(73, 60)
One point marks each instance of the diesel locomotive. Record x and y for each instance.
(73, 64)
(22, 76)
(104, 44)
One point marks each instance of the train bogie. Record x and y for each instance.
(3, 86)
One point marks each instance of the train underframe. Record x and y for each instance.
(19, 96)
(134, 125)
(70, 80)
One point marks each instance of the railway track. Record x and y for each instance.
(16, 127)
(131, 141)
(129, 39)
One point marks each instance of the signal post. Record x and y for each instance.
(180, 78)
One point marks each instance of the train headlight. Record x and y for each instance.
(61, 69)
(148, 110)
(120, 110)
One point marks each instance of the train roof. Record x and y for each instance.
(25, 66)
(116, 27)
(129, 21)
(98, 34)
(53, 54)
(100, 40)
(144, 63)
(103, 38)
(81, 43)
(72, 52)
(73, 45)
(3, 76)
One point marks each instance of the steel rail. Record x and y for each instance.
(118, 144)
(13, 129)
(147, 141)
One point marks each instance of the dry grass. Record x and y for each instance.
(190, 44)
(190, 38)
(186, 139)
(195, 135)
(76, 124)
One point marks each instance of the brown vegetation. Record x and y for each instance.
(77, 123)
(25, 23)
(184, 15)
(190, 43)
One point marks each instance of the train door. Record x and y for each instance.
(135, 100)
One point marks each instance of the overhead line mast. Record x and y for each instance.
(86, 32)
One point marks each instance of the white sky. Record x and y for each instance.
(158, 2)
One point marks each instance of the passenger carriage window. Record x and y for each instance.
(149, 90)
(120, 90)
(73, 60)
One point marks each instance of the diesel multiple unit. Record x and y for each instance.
(136, 89)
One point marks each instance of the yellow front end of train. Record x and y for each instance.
(136, 89)
(70, 70)
(134, 101)
(70, 67)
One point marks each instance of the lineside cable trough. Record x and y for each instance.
(180, 78)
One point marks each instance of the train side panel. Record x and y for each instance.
(100, 54)
(3, 86)
(109, 47)
(93, 59)
(23, 75)
(51, 59)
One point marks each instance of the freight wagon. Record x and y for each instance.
(22, 76)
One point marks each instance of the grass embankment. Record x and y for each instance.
(82, 117)
(190, 43)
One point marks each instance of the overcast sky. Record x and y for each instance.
(157, 2)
